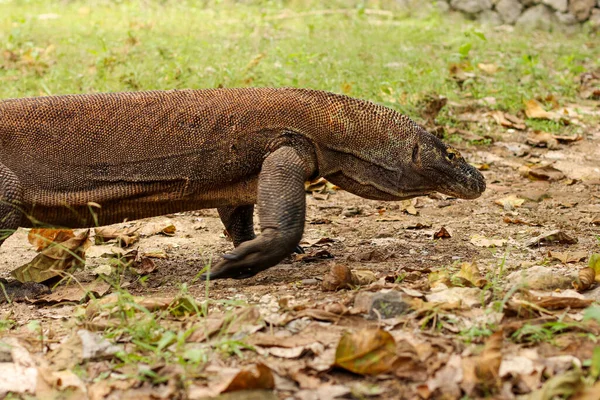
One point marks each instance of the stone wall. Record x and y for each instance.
(542, 14)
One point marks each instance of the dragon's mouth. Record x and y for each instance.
(464, 183)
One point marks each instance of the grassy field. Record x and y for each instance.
(363, 49)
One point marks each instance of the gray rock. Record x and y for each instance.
(528, 3)
(389, 305)
(537, 17)
(566, 18)
(471, 6)
(558, 5)
(490, 17)
(581, 9)
(594, 20)
(509, 10)
(540, 278)
(442, 6)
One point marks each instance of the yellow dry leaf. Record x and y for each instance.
(54, 260)
(366, 352)
(533, 109)
(42, 238)
(510, 202)
(488, 68)
(470, 273)
(487, 367)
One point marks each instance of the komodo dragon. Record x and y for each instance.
(144, 154)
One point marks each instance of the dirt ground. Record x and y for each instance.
(385, 238)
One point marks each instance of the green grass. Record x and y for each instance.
(84, 46)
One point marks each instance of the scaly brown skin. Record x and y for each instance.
(86, 160)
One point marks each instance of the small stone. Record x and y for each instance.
(540, 278)
(558, 5)
(490, 17)
(471, 6)
(595, 19)
(351, 211)
(442, 6)
(509, 10)
(363, 301)
(309, 281)
(566, 18)
(537, 17)
(581, 9)
(388, 305)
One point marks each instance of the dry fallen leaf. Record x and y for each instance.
(366, 352)
(556, 236)
(510, 202)
(54, 260)
(568, 257)
(482, 241)
(42, 238)
(487, 367)
(125, 236)
(585, 279)
(470, 273)
(542, 139)
(490, 68)
(547, 173)
(508, 120)
(442, 234)
(339, 277)
(588, 276)
(533, 109)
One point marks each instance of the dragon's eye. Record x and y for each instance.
(452, 154)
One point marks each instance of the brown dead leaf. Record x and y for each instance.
(42, 238)
(585, 279)
(590, 275)
(54, 260)
(556, 236)
(459, 74)
(559, 303)
(510, 202)
(430, 107)
(482, 241)
(145, 266)
(547, 173)
(125, 236)
(487, 367)
(258, 376)
(542, 139)
(470, 274)
(339, 277)
(508, 120)
(366, 352)
(568, 257)
(320, 185)
(589, 85)
(533, 109)
(442, 233)
(74, 292)
(567, 139)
